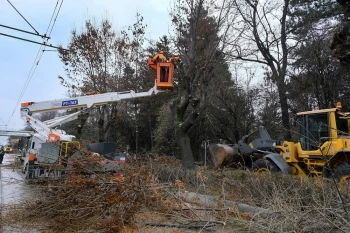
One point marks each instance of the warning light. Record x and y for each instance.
(338, 105)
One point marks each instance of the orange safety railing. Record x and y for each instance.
(165, 73)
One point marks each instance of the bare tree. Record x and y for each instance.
(263, 35)
(96, 60)
(91, 63)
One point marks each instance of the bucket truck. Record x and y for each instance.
(51, 146)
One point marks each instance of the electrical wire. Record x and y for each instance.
(36, 61)
(56, 17)
(29, 77)
(51, 17)
(3, 121)
(31, 41)
(20, 30)
(23, 17)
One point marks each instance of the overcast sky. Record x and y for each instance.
(17, 56)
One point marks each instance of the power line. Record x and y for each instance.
(2, 121)
(56, 16)
(31, 41)
(30, 75)
(17, 29)
(45, 43)
(53, 13)
(36, 61)
(23, 17)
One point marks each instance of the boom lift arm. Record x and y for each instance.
(84, 101)
(45, 129)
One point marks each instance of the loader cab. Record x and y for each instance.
(313, 130)
(319, 126)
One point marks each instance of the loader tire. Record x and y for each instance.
(342, 175)
(264, 165)
(342, 172)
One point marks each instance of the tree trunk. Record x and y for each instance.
(104, 122)
(217, 202)
(184, 143)
(82, 118)
(101, 133)
(284, 109)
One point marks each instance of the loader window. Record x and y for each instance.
(313, 128)
(342, 126)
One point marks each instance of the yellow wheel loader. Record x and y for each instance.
(323, 147)
(8, 149)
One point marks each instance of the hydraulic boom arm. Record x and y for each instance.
(84, 101)
(45, 129)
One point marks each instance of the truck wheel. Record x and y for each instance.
(264, 165)
(342, 174)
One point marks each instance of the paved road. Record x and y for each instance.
(12, 190)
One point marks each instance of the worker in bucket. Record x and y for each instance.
(175, 60)
(2, 153)
(160, 57)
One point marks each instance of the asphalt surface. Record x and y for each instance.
(11, 184)
(13, 190)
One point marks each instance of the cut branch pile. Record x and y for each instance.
(152, 198)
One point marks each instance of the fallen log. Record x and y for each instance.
(215, 202)
(194, 225)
